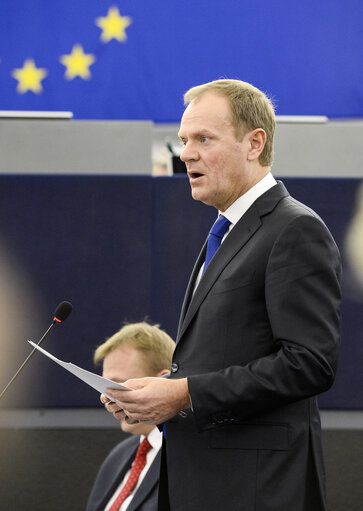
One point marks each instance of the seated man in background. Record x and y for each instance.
(129, 477)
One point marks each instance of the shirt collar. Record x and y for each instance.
(155, 438)
(241, 205)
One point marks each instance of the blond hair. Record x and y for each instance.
(154, 344)
(251, 109)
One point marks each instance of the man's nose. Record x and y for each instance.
(189, 153)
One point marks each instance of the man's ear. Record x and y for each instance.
(257, 141)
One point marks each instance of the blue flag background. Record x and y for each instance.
(110, 59)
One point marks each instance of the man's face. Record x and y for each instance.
(124, 363)
(216, 160)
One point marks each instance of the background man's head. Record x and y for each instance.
(135, 351)
(250, 109)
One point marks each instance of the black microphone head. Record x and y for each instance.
(62, 311)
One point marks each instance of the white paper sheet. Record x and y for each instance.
(93, 380)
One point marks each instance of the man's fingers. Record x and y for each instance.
(113, 407)
(119, 414)
(117, 409)
(123, 396)
(153, 400)
(104, 399)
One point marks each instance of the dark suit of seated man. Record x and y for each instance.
(137, 350)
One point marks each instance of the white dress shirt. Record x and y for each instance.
(236, 210)
(155, 439)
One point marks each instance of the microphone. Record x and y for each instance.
(61, 313)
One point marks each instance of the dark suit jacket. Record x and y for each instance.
(258, 340)
(112, 471)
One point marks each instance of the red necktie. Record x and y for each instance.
(136, 469)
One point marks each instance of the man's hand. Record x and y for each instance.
(151, 400)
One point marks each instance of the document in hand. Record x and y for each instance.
(93, 380)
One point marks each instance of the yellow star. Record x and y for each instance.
(29, 77)
(77, 63)
(113, 25)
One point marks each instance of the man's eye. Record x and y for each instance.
(203, 139)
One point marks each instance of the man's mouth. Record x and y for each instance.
(194, 175)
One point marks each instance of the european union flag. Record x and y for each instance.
(134, 59)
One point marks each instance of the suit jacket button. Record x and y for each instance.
(174, 367)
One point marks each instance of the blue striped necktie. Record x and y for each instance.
(218, 230)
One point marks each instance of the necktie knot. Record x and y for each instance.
(144, 448)
(220, 226)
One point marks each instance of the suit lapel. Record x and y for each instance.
(238, 237)
(119, 475)
(190, 288)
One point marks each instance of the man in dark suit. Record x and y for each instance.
(135, 351)
(259, 328)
